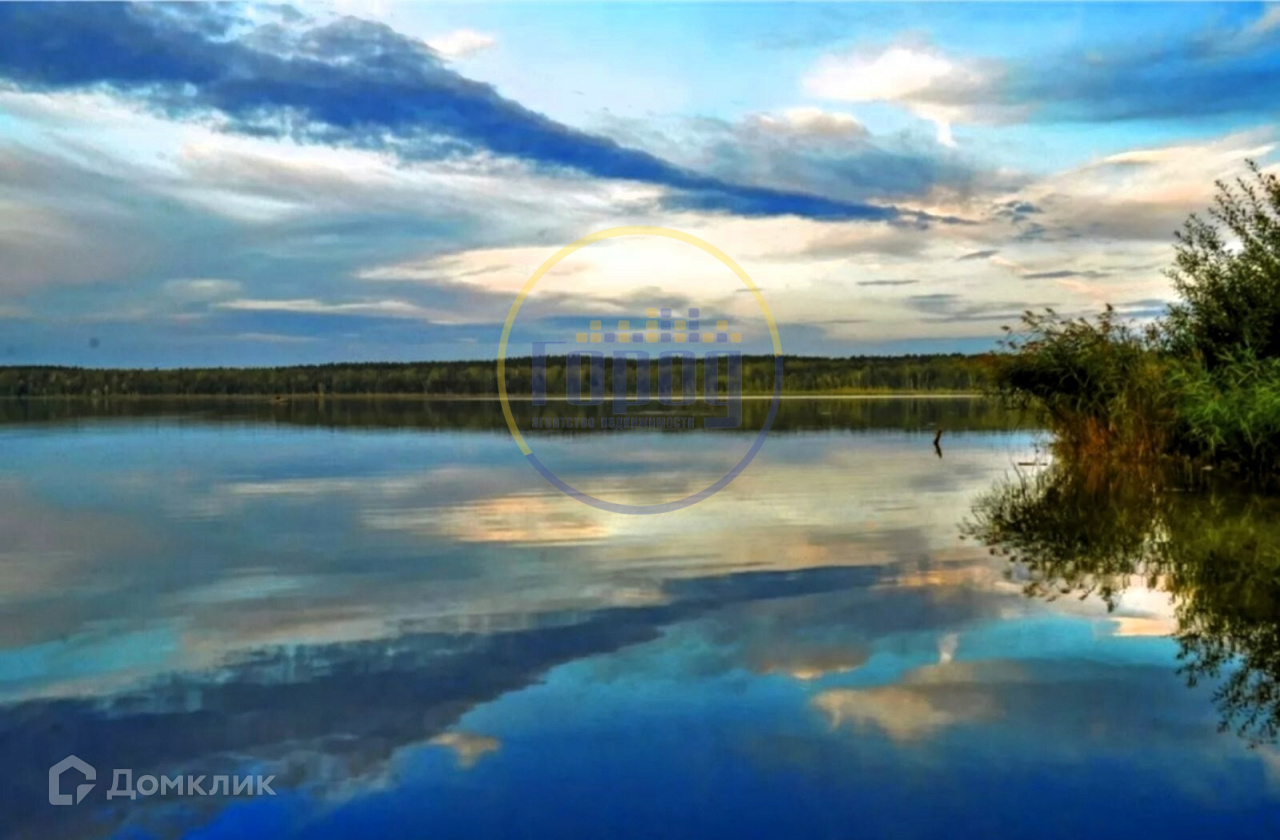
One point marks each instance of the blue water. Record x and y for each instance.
(418, 637)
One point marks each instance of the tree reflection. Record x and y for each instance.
(1094, 529)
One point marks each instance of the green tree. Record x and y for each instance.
(1227, 274)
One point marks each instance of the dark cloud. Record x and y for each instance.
(1016, 211)
(1019, 208)
(1144, 308)
(978, 255)
(887, 282)
(833, 156)
(1225, 70)
(1033, 231)
(1180, 81)
(951, 307)
(93, 222)
(349, 83)
(1063, 274)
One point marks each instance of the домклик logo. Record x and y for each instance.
(56, 796)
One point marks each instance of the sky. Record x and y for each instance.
(255, 185)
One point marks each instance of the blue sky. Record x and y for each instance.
(186, 185)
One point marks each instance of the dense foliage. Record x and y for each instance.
(1227, 274)
(1202, 383)
(801, 374)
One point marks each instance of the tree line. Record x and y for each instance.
(954, 373)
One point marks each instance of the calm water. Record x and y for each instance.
(383, 606)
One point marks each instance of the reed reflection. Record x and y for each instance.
(1095, 529)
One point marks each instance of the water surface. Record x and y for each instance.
(383, 605)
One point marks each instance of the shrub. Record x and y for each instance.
(1099, 381)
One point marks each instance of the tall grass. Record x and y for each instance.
(1101, 383)
(1105, 388)
(1230, 413)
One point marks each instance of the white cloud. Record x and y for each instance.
(897, 73)
(274, 338)
(201, 289)
(468, 747)
(1145, 193)
(915, 77)
(1267, 22)
(311, 306)
(928, 700)
(461, 43)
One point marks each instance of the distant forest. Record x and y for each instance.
(954, 373)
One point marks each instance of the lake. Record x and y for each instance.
(383, 606)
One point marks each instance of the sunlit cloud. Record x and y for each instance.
(927, 701)
(461, 43)
(467, 747)
(916, 77)
(808, 665)
(386, 308)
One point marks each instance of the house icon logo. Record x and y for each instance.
(56, 797)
